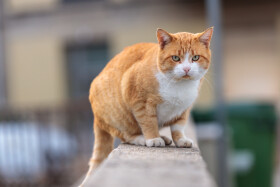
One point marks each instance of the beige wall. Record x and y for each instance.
(36, 46)
(251, 58)
(22, 6)
(251, 64)
(36, 73)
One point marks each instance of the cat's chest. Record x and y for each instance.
(177, 97)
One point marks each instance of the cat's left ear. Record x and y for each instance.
(163, 38)
(205, 37)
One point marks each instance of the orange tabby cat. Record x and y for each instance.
(148, 86)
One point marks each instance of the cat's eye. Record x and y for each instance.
(195, 58)
(176, 58)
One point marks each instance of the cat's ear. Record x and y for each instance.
(205, 37)
(163, 38)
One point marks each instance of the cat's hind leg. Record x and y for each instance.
(138, 140)
(166, 140)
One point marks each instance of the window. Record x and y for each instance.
(84, 63)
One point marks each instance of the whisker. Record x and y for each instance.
(209, 85)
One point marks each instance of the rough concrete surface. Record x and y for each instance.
(138, 166)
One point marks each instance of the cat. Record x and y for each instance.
(148, 86)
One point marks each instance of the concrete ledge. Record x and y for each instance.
(139, 166)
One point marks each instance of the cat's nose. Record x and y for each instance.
(187, 69)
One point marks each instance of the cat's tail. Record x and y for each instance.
(103, 145)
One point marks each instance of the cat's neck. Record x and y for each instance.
(177, 96)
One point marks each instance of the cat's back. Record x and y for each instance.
(130, 55)
(109, 79)
(116, 67)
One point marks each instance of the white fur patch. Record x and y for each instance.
(155, 142)
(177, 97)
(177, 127)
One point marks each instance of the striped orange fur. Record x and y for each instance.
(143, 89)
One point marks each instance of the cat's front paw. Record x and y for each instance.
(184, 142)
(155, 142)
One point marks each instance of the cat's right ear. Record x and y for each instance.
(163, 38)
(205, 37)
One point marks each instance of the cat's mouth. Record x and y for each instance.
(186, 76)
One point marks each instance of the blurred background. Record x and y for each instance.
(50, 50)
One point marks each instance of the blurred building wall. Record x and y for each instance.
(36, 43)
(35, 73)
(251, 55)
(23, 6)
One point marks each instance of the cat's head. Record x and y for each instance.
(184, 55)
